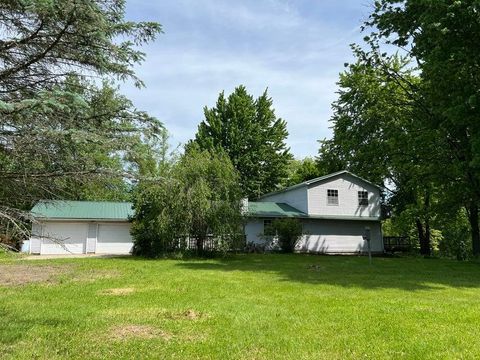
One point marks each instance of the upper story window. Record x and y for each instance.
(363, 198)
(332, 197)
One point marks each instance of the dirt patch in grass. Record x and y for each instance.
(185, 315)
(117, 291)
(126, 332)
(191, 314)
(11, 275)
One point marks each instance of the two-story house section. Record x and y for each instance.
(338, 212)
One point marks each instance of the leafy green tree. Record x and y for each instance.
(377, 135)
(60, 131)
(302, 170)
(199, 198)
(440, 37)
(252, 136)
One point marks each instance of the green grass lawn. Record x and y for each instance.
(246, 307)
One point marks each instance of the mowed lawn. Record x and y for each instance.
(245, 307)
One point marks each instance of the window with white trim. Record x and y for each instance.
(268, 228)
(332, 197)
(363, 198)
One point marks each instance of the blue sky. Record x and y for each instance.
(295, 48)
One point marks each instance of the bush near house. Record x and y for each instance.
(288, 232)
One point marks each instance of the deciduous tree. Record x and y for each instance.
(378, 135)
(199, 198)
(441, 37)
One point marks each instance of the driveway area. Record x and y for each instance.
(71, 256)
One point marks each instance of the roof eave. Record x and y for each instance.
(293, 187)
(316, 217)
(81, 219)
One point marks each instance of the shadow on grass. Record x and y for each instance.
(351, 271)
(14, 326)
(406, 273)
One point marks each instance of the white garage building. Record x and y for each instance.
(81, 227)
(338, 213)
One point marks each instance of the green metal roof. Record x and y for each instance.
(83, 210)
(273, 209)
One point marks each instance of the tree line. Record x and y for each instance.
(405, 118)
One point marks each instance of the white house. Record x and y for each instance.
(81, 227)
(338, 212)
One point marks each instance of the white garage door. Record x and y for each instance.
(64, 238)
(114, 239)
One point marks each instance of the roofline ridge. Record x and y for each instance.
(317, 179)
(85, 201)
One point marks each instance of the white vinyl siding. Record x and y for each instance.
(295, 197)
(327, 236)
(337, 237)
(348, 188)
(65, 237)
(254, 231)
(114, 239)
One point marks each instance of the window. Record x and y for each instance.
(363, 198)
(267, 227)
(332, 197)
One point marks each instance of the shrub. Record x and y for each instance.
(288, 231)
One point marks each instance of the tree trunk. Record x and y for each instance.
(475, 231)
(200, 242)
(423, 228)
(423, 238)
(427, 238)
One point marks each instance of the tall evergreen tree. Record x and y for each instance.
(252, 136)
(58, 130)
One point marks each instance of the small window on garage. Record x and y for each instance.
(268, 227)
(363, 198)
(332, 197)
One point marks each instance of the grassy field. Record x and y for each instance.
(247, 307)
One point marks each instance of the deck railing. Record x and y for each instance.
(396, 243)
(210, 244)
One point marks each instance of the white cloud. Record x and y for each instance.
(214, 45)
